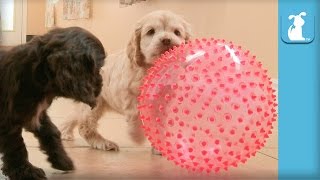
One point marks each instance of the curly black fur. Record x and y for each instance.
(65, 62)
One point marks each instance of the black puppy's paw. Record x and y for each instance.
(62, 162)
(25, 172)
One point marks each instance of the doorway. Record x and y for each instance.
(13, 22)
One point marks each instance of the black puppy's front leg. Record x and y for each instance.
(50, 142)
(15, 156)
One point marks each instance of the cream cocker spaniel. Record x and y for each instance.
(122, 73)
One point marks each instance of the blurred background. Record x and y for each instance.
(250, 23)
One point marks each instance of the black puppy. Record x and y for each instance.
(62, 63)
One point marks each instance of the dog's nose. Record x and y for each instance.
(166, 41)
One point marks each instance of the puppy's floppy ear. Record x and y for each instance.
(69, 62)
(133, 49)
(187, 28)
(59, 65)
(188, 32)
(55, 60)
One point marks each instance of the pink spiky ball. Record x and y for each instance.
(207, 105)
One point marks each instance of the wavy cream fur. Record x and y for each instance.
(122, 75)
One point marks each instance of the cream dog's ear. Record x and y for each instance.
(133, 49)
(187, 28)
(188, 31)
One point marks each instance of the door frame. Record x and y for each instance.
(22, 26)
(24, 21)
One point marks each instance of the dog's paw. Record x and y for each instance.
(25, 172)
(155, 152)
(105, 145)
(62, 162)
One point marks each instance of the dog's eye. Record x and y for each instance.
(151, 32)
(177, 32)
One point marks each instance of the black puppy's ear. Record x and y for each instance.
(69, 61)
(56, 60)
(87, 61)
(59, 64)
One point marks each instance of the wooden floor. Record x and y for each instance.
(137, 162)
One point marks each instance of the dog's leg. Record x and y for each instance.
(136, 132)
(15, 156)
(50, 142)
(88, 129)
(68, 127)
